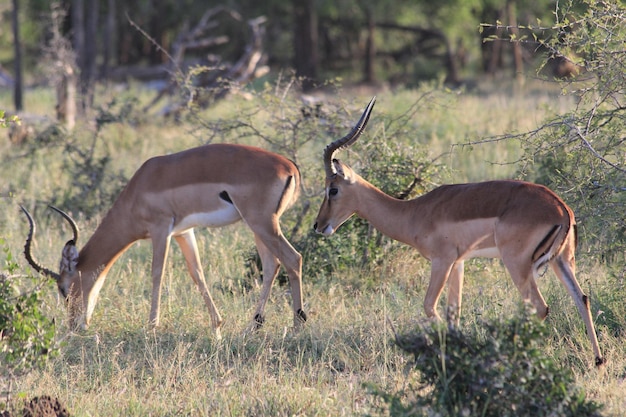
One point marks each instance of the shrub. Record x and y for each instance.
(386, 158)
(581, 154)
(503, 371)
(399, 170)
(26, 334)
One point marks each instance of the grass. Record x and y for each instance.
(121, 367)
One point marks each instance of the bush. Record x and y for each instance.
(400, 171)
(26, 334)
(501, 372)
(581, 154)
(300, 131)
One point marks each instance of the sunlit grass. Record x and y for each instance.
(122, 367)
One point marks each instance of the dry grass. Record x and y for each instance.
(121, 367)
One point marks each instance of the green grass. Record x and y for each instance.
(121, 367)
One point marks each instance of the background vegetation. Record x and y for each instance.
(360, 288)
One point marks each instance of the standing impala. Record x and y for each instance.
(524, 224)
(209, 186)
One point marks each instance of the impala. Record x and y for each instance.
(526, 225)
(209, 186)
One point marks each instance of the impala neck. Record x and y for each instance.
(111, 238)
(379, 209)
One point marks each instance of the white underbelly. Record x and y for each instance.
(491, 252)
(226, 215)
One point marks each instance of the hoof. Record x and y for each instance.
(301, 315)
(258, 321)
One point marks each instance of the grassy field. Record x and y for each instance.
(122, 367)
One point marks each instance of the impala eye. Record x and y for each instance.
(333, 191)
(63, 291)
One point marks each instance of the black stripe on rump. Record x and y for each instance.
(544, 246)
(224, 196)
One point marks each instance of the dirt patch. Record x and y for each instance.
(43, 406)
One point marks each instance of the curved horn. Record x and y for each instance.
(72, 223)
(27, 251)
(349, 139)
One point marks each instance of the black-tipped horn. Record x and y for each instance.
(70, 221)
(349, 139)
(27, 250)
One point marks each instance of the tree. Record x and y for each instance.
(84, 40)
(581, 154)
(26, 334)
(305, 40)
(17, 44)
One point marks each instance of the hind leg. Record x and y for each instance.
(269, 269)
(563, 267)
(523, 277)
(275, 250)
(188, 246)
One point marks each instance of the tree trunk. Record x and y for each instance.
(66, 96)
(370, 49)
(17, 91)
(452, 66)
(495, 59)
(517, 47)
(109, 40)
(78, 42)
(88, 72)
(84, 30)
(305, 42)
(157, 30)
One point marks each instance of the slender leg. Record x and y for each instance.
(160, 248)
(270, 240)
(189, 247)
(439, 272)
(292, 261)
(524, 280)
(269, 268)
(564, 270)
(455, 293)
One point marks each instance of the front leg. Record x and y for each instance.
(160, 248)
(440, 270)
(455, 293)
(189, 247)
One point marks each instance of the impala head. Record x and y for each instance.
(68, 274)
(340, 199)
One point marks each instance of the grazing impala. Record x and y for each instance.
(524, 224)
(209, 186)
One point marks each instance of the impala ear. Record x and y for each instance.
(69, 257)
(344, 171)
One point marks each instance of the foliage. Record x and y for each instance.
(7, 121)
(120, 366)
(501, 372)
(26, 334)
(581, 154)
(400, 171)
(88, 161)
(340, 28)
(385, 157)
